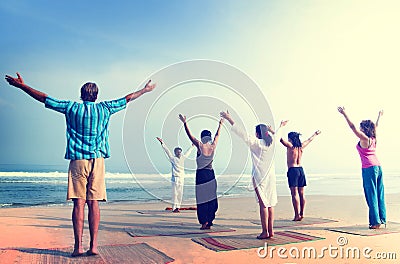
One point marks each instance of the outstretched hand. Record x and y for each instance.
(283, 123)
(380, 113)
(17, 82)
(159, 139)
(317, 132)
(341, 110)
(182, 118)
(225, 115)
(149, 87)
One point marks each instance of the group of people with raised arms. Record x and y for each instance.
(87, 147)
(263, 173)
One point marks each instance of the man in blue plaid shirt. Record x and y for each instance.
(87, 147)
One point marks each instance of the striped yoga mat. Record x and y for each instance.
(113, 254)
(286, 223)
(172, 229)
(226, 243)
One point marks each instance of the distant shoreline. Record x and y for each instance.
(48, 189)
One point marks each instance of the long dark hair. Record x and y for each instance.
(262, 133)
(294, 138)
(368, 127)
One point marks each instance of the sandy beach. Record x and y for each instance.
(23, 230)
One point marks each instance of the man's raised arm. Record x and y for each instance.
(147, 88)
(19, 83)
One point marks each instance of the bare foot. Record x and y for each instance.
(263, 235)
(176, 210)
(375, 226)
(297, 218)
(92, 252)
(204, 226)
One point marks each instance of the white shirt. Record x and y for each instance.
(178, 168)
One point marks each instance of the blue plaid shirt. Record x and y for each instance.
(87, 126)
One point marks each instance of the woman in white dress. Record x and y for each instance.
(263, 171)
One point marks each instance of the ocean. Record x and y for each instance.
(48, 188)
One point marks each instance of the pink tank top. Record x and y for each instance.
(368, 155)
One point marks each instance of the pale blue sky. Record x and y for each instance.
(308, 57)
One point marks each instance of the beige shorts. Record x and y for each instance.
(86, 179)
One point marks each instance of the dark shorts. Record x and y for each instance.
(296, 177)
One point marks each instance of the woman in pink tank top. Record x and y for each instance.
(371, 169)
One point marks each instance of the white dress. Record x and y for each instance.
(263, 171)
(177, 175)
